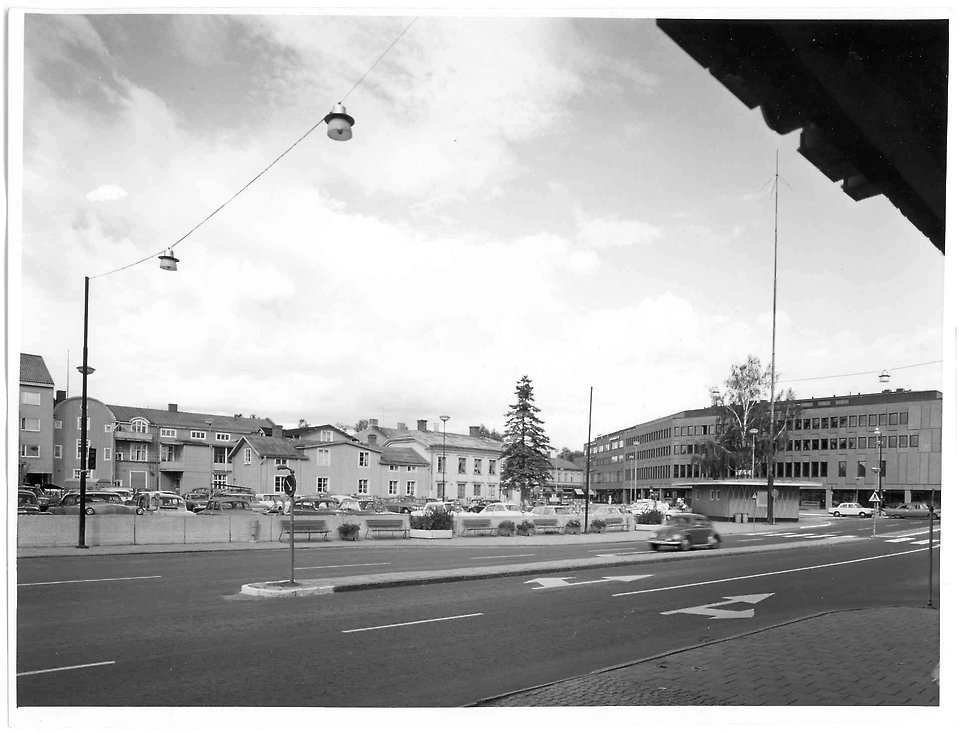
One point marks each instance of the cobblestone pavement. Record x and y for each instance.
(878, 656)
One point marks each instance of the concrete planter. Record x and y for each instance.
(431, 534)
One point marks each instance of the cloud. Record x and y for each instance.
(605, 233)
(107, 192)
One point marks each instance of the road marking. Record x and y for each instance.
(353, 565)
(710, 609)
(765, 575)
(497, 557)
(623, 554)
(92, 580)
(901, 539)
(607, 549)
(412, 623)
(63, 669)
(921, 542)
(561, 582)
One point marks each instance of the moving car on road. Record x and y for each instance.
(685, 531)
(97, 502)
(851, 509)
(912, 509)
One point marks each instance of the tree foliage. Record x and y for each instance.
(571, 455)
(526, 465)
(743, 405)
(485, 432)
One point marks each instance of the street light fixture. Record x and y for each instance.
(444, 418)
(752, 470)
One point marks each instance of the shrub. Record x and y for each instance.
(506, 527)
(649, 516)
(597, 525)
(526, 527)
(574, 524)
(432, 520)
(348, 530)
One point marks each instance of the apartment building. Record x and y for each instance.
(35, 462)
(834, 444)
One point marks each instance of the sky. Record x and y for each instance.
(572, 199)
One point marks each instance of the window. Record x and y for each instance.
(842, 421)
(198, 434)
(363, 486)
(833, 444)
(30, 424)
(853, 421)
(903, 441)
(478, 466)
(834, 422)
(807, 424)
(277, 462)
(29, 398)
(167, 453)
(823, 469)
(364, 458)
(394, 488)
(247, 456)
(167, 432)
(815, 443)
(410, 488)
(860, 469)
(78, 448)
(30, 451)
(441, 464)
(220, 454)
(77, 472)
(862, 444)
(137, 425)
(322, 456)
(108, 428)
(58, 451)
(807, 444)
(842, 444)
(107, 454)
(903, 418)
(460, 465)
(815, 469)
(492, 468)
(119, 455)
(477, 489)
(842, 469)
(871, 441)
(461, 491)
(322, 483)
(278, 484)
(80, 425)
(139, 453)
(914, 440)
(882, 419)
(411, 469)
(326, 436)
(893, 418)
(222, 436)
(394, 468)
(872, 421)
(58, 424)
(815, 423)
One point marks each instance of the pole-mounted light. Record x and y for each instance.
(884, 376)
(339, 124)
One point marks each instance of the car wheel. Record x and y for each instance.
(139, 510)
(654, 546)
(836, 514)
(863, 515)
(714, 542)
(684, 545)
(89, 510)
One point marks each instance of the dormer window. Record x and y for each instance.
(138, 425)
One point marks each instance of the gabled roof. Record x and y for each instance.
(266, 447)
(562, 463)
(304, 444)
(193, 420)
(312, 432)
(452, 441)
(395, 455)
(33, 370)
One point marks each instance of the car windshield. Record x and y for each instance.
(679, 519)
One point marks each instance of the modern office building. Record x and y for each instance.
(834, 443)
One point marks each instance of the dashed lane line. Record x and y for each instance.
(412, 623)
(498, 557)
(352, 565)
(63, 669)
(90, 580)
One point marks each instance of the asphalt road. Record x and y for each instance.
(171, 630)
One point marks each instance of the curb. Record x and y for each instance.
(273, 588)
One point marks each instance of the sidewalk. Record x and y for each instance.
(837, 658)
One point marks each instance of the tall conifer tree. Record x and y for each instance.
(526, 465)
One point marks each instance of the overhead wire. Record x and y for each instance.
(858, 374)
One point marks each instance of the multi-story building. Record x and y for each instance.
(145, 448)
(565, 479)
(36, 421)
(834, 443)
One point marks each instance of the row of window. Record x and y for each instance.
(461, 465)
(851, 421)
(136, 426)
(362, 485)
(860, 443)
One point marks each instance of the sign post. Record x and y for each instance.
(874, 500)
(289, 488)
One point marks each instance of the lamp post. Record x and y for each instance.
(878, 507)
(444, 418)
(752, 467)
(209, 433)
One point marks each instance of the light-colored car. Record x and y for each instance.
(275, 503)
(433, 506)
(502, 510)
(97, 502)
(157, 502)
(912, 509)
(553, 510)
(851, 509)
(227, 505)
(685, 531)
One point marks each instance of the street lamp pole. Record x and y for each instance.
(752, 467)
(85, 370)
(444, 418)
(878, 502)
(209, 434)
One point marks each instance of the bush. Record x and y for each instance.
(597, 525)
(573, 526)
(348, 529)
(649, 516)
(506, 527)
(432, 520)
(526, 527)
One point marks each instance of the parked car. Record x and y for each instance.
(685, 531)
(43, 500)
(27, 502)
(553, 510)
(365, 506)
(851, 509)
(912, 509)
(314, 504)
(433, 506)
(270, 503)
(196, 498)
(160, 502)
(227, 505)
(97, 502)
(642, 505)
(503, 510)
(402, 504)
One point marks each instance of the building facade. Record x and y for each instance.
(834, 443)
(36, 398)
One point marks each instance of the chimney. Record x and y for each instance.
(61, 396)
(276, 431)
(371, 439)
(474, 431)
(374, 423)
(401, 426)
(172, 407)
(421, 425)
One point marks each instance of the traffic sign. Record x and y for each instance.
(874, 497)
(289, 485)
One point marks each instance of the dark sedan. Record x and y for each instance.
(97, 502)
(685, 531)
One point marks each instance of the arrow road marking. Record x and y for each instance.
(561, 582)
(711, 610)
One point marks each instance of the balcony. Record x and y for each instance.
(174, 466)
(130, 435)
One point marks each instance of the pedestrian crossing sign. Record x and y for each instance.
(874, 497)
